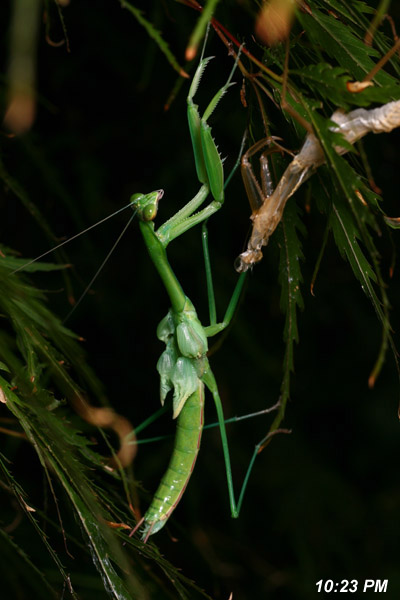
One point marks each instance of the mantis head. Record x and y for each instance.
(147, 204)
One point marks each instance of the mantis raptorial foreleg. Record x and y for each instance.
(208, 163)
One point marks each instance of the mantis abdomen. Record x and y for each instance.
(187, 443)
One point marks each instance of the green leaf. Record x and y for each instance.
(346, 237)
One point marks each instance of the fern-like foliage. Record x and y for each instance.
(290, 279)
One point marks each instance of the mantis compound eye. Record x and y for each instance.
(149, 212)
(147, 204)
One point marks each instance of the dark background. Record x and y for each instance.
(322, 502)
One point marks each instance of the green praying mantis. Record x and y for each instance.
(183, 366)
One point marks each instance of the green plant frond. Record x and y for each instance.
(351, 220)
(12, 263)
(346, 236)
(290, 279)
(155, 35)
(348, 229)
(344, 226)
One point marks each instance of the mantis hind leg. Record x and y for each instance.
(235, 507)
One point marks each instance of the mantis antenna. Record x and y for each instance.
(22, 267)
